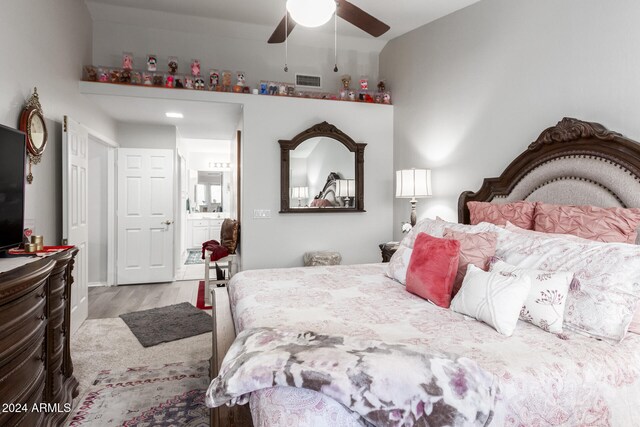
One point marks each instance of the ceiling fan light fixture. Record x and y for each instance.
(311, 13)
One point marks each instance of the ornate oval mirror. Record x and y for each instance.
(322, 170)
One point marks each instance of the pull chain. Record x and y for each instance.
(335, 45)
(286, 41)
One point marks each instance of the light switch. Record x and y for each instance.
(262, 213)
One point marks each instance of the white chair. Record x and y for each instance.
(228, 263)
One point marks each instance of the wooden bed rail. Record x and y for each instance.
(223, 336)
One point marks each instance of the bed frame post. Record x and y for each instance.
(223, 336)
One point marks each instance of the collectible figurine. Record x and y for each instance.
(179, 83)
(103, 75)
(264, 88)
(381, 86)
(136, 78)
(195, 68)
(226, 80)
(214, 79)
(240, 78)
(346, 81)
(386, 98)
(364, 84)
(147, 79)
(173, 65)
(188, 82)
(282, 89)
(125, 76)
(127, 61)
(115, 76)
(169, 82)
(157, 80)
(152, 63)
(352, 95)
(92, 74)
(199, 83)
(273, 88)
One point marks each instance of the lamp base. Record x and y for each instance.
(413, 202)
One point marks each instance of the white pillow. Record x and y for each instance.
(544, 306)
(492, 297)
(399, 262)
(608, 274)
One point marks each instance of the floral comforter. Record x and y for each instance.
(388, 385)
(544, 380)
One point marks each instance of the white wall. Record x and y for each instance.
(97, 187)
(134, 135)
(282, 240)
(473, 89)
(45, 44)
(227, 46)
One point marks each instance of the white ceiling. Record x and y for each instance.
(202, 120)
(402, 16)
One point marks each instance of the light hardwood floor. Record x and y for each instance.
(110, 302)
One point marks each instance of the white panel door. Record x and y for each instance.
(145, 215)
(75, 140)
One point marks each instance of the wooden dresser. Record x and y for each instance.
(37, 385)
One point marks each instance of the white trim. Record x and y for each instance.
(97, 284)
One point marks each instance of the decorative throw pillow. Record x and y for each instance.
(397, 267)
(607, 275)
(518, 213)
(544, 306)
(589, 222)
(494, 298)
(432, 268)
(476, 249)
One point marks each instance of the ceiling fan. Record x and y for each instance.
(301, 9)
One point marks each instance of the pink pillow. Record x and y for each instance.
(476, 249)
(432, 268)
(589, 222)
(517, 213)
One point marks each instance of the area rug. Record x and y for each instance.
(166, 395)
(166, 324)
(200, 302)
(194, 257)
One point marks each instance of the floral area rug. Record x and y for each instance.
(194, 257)
(168, 395)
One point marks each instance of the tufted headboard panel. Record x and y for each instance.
(572, 163)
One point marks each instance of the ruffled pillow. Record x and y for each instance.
(518, 213)
(476, 249)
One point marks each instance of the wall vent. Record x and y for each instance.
(308, 81)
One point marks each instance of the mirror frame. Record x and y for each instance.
(326, 130)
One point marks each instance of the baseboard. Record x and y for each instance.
(96, 284)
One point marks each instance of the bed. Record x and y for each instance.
(545, 379)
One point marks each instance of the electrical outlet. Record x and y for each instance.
(262, 213)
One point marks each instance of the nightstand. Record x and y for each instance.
(388, 249)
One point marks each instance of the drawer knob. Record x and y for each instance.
(42, 295)
(41, 317)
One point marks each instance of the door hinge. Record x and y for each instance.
(65, 121)
(65, 242)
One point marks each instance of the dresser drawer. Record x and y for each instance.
(199, 223)
(23, 374)
(29, 418)
(20, 321)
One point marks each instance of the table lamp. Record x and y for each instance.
(413, 184)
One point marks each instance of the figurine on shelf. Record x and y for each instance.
(273, 88)
(364, 84)
(179, 82)
(188, 82)
(240, 78)
(125, 76)
(169, 81)
(127, 61)
(92, 73)
(214, 79)
(282, 89)
(386, 98)
(195, 68)
(264, 88)
(147, 79)
(378, 98)
(346, 81)
(157, 80)
(136, 78)
(103, 75)
(152, 63)
(199, 83)
(173, 65)
(352, 95)
(381, 86)
(226, 81)
(115, 76)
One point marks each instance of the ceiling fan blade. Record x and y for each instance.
(361, 19)
(286, 24)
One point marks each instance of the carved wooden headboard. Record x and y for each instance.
(573, 162)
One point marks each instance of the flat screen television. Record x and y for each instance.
(12, 179)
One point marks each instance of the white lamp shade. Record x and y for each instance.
(299, 192)
(311, 13)
(412, 183)
(346, 188)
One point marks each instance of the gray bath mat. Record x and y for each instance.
(166, 324)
